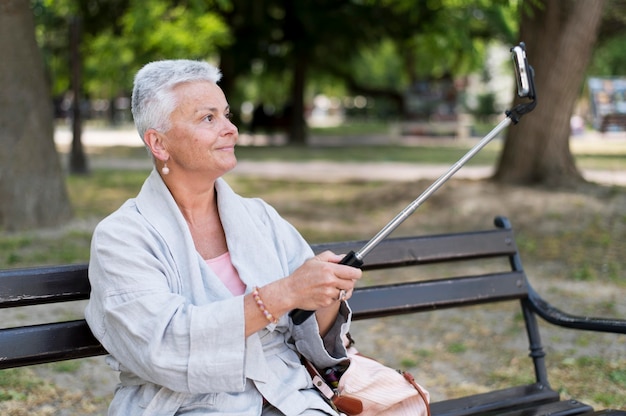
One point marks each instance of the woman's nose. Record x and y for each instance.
(230, 127)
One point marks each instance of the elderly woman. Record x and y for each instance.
(192, 283)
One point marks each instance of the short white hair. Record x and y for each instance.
(153, 101)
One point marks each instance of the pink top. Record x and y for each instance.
(224, 269)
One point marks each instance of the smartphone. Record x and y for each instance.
(522, 70)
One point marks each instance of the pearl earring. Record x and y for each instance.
(165, 169)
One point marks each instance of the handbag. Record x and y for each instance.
(365, 387)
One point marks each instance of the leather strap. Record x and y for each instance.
(409, 377)
(346, 404)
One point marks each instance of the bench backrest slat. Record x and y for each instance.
(378, 301)
(405, 251)
(33, 286)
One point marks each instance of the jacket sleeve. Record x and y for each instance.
(322, 352)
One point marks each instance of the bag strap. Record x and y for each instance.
(318, 380)
(346, 404)
(409, 377)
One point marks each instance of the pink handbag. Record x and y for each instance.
(369, 388)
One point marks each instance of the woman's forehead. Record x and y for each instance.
(200, 94)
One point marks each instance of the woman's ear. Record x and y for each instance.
(154, 141)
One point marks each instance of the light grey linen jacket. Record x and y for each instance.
(176, 333)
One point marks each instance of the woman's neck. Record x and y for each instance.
(200, 210)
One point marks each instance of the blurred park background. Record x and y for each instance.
(295, 70)
(347, 110)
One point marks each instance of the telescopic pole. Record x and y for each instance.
(406, 212)
(355, 258)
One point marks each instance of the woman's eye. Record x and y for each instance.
(229, 116)
(209, 117)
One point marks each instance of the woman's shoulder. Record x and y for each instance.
(125, 215)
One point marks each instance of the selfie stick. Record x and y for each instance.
(526, 88)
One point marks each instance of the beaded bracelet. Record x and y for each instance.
(261, 305)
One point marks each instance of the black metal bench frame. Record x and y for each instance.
(50, 342)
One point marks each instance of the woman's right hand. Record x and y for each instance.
(318, 285)
(319, 282)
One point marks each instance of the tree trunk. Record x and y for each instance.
(78, 160)
(559, 37)
(297, 124)
(32, 187)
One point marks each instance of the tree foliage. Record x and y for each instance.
(609, 58)
(120, 36)
(375, 48)
(276, 50)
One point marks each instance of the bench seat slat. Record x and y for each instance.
(494, 402)
(378, 301)
(37, 344)
(562, 408)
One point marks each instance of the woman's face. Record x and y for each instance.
(201, 138)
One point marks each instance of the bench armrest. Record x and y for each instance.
(558, 317)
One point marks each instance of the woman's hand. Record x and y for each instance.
(323, 285)
(321, 282)
(320, 285)
(327, 316)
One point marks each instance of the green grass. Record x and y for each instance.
(16, 383)
(591, 242)
(446, 153)
(60, 247)
(588, 155)
(384, 153)
(572, 374)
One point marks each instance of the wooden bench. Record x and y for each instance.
(613, 121)
(49, 342)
